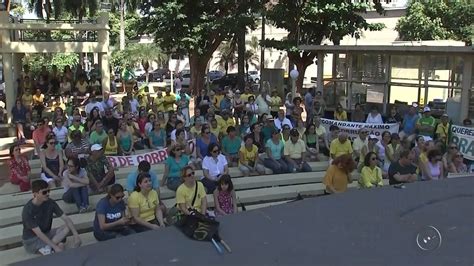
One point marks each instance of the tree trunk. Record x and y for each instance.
(198, 65)
(334, 71)
(241, 58)
(302, 64)
(8, 5)
(122, 25)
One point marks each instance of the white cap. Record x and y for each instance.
(426, 109)
(96, 147)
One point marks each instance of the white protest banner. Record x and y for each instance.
(153, 157)
(352, 128)
(463, 137)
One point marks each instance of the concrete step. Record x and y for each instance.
(12, 235)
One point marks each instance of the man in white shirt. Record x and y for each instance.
(94, 103)
(262, 102)
(282, 120)
(360, 142)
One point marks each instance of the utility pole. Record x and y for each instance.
(122, 25)
(262, 47)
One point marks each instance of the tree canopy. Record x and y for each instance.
(310, 22)
(196, 28)
(437, 20)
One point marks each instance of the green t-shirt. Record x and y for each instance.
(267, 133)
(231, 146)
(96, 138)
(427, 121)
(275, 148)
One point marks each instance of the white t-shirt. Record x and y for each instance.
(61, 134)
(279, 124)
(214, 167)
(262, 105)
(173, 134)
(82, 174)
(374, 120)
(92, 105)
(134, 106)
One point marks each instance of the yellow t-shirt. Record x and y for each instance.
(249, 155)
(82, 88)
(442, 130)
(294, 150)
(245, 97)
(370, 177)
(336, 177)
(340, 116)
(145, 205)
(185, 194)
(169, 101)
(38, 99)
(337, 148)
(159, 103)
(27, 100)
(215, 131)
(275, 103)
(224, 124)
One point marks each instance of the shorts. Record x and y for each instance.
(45, 177)
(33, 244)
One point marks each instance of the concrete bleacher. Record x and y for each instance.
(253, 192)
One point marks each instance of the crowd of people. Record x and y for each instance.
(245, 129)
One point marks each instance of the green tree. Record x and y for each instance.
(227, 55)
(119, 7)
(81, 8)
(131, 22)
(437, 20)
(145, 54)
(196, 28)
(310, 22)
(49, 7)
(252, 53)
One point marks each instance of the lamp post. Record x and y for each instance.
(293, 75)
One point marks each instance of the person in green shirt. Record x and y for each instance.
(98, 135)
(426, 124)
(231, 145)
(268, 128)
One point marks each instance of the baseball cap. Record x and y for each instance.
(445, 115)
(269, 117)
(426, 109)
(414, 104)
(294, 132)
(96, 147)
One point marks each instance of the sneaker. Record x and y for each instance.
(82, 210)
(46, 250)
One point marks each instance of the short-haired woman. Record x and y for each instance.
(110, 220)
(75, 182)
(371, 174)
(433, 168)
(338, 174)
(249, 160)
(190, 198)
(144, 206)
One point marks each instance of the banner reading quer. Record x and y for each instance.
(463, 137)
(352, 128)
(152, 157)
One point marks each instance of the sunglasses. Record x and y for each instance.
(52, 142)
(119, 197)
(190, 174)
(453, 148)
(45, 192)
(215, 151)
(374, 159)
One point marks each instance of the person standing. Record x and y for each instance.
(309, 104)
(37, 218)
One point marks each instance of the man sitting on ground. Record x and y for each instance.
(403, 171)
(37, 218)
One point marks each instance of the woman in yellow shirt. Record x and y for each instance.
(144, 206)
(338, 174)
(371, 174)
(340, 114)
(187, 191)
(110, 143)
(248, 158)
